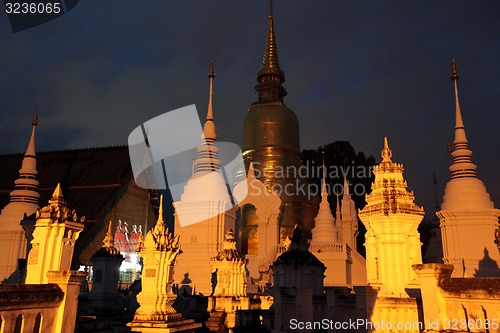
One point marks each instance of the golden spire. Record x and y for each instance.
(160, 221)
(108, 240)
(270, 63)
(270, 76)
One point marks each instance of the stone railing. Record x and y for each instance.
(328, 248)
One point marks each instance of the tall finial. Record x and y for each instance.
(323, 165)
(454, 71)
(346, 194)
(35, 118)
(27, 184)
(462, 165)
(270, 76)
(386, 152)
(338, 216)
(209, 127)
(459, 124)
(161, 221)
(208, 159)
(108, 240)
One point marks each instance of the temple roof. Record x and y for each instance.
(89, 177)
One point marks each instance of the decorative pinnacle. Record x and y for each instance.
(386, 152)
(454, 71)
(459, 124)
(108, 240)
(337, 210)
(160, 221)
(323, 188)
(462, 165)
(209, 127)
(229, 235)
(270, 64)
(211, 73)
(57, 192)
(346, 186)
(35, 118)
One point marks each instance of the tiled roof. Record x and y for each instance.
(89, 177)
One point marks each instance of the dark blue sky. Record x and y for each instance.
(355, 71)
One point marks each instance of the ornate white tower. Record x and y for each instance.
(391, 219)
(23, 200)
(468, 216)
(204, 213)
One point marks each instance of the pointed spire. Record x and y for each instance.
(57, 192)
(346, 188)
(57, 197)
(160, 221)
(338, 217)
(208, 158)
(30, 151)
(209, 127)
(27, 184)
(462, 165)
(270, 64)
(324, 192)
(460, 137)
(386, 152)
(109, 241)
(270, 76)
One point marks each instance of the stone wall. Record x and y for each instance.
(29, 308)
(458, 304)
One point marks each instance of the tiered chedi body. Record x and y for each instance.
(391, 219)
(204, 213)
(468, 216)
(23, 200)
(271, 142)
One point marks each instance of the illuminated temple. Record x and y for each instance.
(101, 254)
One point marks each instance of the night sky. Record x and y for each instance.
(355, 71)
